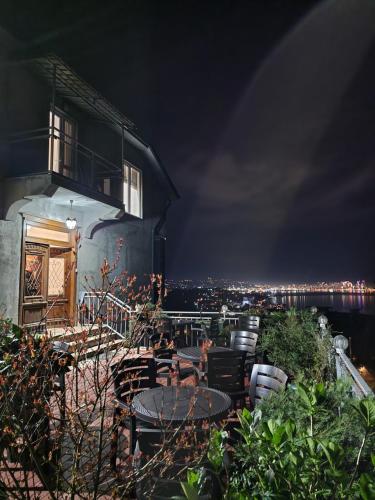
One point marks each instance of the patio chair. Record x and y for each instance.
(177, 450)
(198, 333)
(167, 367)
(245, 341)
(226, 372)
(265, 379)
(249, 323)
(130, 377)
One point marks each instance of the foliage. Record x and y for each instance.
(290, 450)
(334, 416)
(293, 342)
(62, 439)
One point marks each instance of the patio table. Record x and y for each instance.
(177, 404)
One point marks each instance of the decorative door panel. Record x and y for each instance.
(60, 279)
(35, 276)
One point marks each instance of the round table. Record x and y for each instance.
(181, 403)
(194, 354)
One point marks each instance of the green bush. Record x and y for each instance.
(309, 442)
(293, 342)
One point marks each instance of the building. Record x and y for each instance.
(67, 153)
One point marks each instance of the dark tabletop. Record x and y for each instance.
(194, 354)
(179, 403)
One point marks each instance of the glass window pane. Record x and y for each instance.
(133, 192)
(135, 200)
(68, 141)
(56, 276)
(126, 189)
(55, 140)
(33, 275)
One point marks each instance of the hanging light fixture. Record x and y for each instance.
(71, 222)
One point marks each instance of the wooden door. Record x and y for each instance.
(34, 284)
(61, 274)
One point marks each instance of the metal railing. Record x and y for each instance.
(346, 370)
(107, 310)
(66, 156)
(204, 316)
(115, 315)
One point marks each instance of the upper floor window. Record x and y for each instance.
(132, 190)
(61, 144)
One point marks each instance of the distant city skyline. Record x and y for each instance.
(346, 286)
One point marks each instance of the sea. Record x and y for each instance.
(361, 303)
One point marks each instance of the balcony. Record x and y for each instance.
(50, 150)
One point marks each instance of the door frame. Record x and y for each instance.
(70, 242)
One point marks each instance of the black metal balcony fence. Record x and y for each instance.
(49, 149)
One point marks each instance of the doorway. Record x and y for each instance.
(48, 277)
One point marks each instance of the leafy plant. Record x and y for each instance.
(298, 445)
(292, 341)
(282, 458)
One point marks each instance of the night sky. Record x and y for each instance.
(262, 111)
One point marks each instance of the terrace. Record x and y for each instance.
(74, 424)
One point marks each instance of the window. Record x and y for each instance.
(132, 190)
(61, 144)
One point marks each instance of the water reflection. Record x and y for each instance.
(337, 302)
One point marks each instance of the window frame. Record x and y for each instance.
(129, 166)
(63, 144)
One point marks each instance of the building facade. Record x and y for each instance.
(75, 177)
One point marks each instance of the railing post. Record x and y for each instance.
(52, 132)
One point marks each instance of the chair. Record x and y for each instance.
(245, 341)
(226, 373)
(249, 323)
(177, 449)
(265, 379)
(130, 376)
(167, 367)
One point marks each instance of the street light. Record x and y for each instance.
(224, 310)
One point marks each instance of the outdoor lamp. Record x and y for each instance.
(71, 222)
(340, 342)
(313, 309)
(323, 320)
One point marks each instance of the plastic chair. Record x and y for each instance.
(176, 449)
(265, 379)
(249, 323)
(226, 373)
(130, 376)
(245, 341)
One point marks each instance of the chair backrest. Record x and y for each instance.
(132, 376)
(249, 322)
(243, 340)
(163, 353)
(265, 379)
(177, 449)
(158, 339)
(226, 370)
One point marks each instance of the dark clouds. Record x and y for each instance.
(287, 193)
(262, 111)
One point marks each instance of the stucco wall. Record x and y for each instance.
(135, 256)
(10, 259)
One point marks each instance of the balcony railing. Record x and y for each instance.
(50, 149)
(346, 370)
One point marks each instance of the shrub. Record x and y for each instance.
(293, 342)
